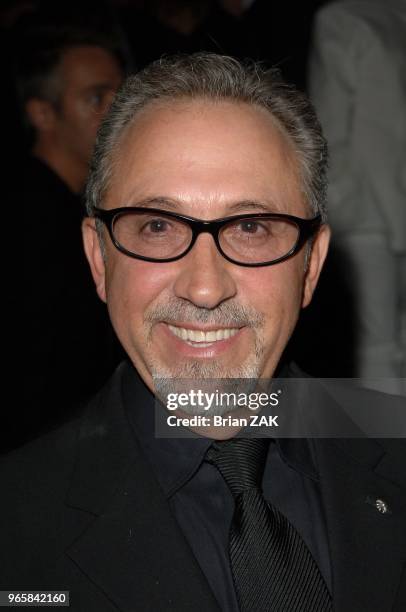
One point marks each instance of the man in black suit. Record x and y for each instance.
(206, 236)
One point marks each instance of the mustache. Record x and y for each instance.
(226, 314)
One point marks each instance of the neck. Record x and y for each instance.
(72, 171)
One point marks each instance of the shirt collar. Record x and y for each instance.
(175, 460)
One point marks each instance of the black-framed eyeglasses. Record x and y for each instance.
(251, 240)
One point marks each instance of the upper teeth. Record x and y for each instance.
(195, 335)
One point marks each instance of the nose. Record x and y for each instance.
(205, 278)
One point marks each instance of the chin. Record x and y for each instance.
(198, 370)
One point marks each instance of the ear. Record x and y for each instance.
(41, 114)
(315, 264)
(94, 256)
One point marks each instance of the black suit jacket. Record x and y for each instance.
(83, 512)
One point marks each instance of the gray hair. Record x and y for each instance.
(208, 76)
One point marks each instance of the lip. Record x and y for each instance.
(203, 328)
(215, 349)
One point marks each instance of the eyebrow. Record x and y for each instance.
(242, 205)
(255, 205)
(97, 87)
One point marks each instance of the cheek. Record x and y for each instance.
(274, 291)
(131, 287)
(81, 115)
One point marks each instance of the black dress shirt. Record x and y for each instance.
(202, 503)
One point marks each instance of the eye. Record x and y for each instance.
(249, 226)
(248, 231)
(157, 226)
(96, 99)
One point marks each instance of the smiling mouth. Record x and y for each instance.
(202, 339)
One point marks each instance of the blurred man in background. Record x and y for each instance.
(66, 78)
(65, 92)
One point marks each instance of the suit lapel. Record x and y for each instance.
(367, 547)
(134, 550)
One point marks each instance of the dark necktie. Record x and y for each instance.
(272, 567)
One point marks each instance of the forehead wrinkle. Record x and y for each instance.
(179, 205)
